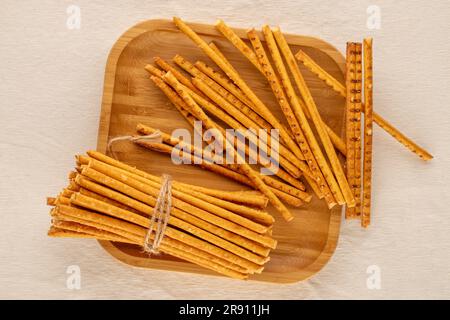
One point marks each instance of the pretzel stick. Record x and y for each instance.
(338, 143)
(242, 197)
(217, 255)
(154, 71)
(286, 108)
(198, 112)
(368, 119)
(63, 233)
(267, 179)
(97, 233)
(309, 63)
(213, 46)
(237, 42)
(349, 121)
(357, 128)
(316, 119)
(249, 124)
(180, 77)
(384, 124)
(92, 194)
(51, 201)
(225, 82)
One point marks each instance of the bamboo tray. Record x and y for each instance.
(305, 244)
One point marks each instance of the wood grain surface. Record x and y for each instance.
(129, 97)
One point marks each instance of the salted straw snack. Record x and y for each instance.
(106, 199)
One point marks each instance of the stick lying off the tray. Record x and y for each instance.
(309, 63)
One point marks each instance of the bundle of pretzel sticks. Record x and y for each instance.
(201, 92)
(227, 232)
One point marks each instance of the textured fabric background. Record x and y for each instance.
(51, 82)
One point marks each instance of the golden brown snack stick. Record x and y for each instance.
(238, 43)
(154, 71)
(255, 178)
(309, 63)
(97, 233)
(61, 233)
(283, 101)
(384, 124)
(338, 143)
(357, 127)
(180, 77)
(400, 137)
(91, 194)
(224, 82)
(316, 119)
(213, 46)
(349, 120)
(258, 104)
(51, 201)
(315, 187)
(138, 234)
(174, 98)
(368, 132)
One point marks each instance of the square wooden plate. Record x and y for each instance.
(305, 244)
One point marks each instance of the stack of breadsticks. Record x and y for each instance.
(308, 147)
(108, 200)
